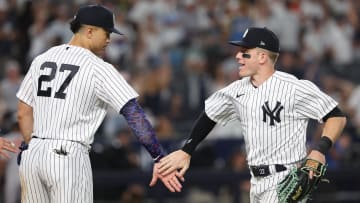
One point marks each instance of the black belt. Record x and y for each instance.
(264, 170)
(36, 137)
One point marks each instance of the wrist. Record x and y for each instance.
(324, 145)
(23, 146)
(185, 153)
(157, 159)
(188, 149)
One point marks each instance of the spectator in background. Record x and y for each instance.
(119, 51)
(289, 62)
(10, 85)
(58, 31)
(353, 104)
(193, 84)
(313, 41)
(39, 39)
(194, 17)
(121, 155)
(7, 33)
(339, 156)
(237, 163)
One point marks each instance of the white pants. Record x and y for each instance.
(48, 176)
(263, 189)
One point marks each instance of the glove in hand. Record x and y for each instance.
(297, 185)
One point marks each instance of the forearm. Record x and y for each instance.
(333, 127)
(26, 120)
(201, 129)
(142, 129)
(335, 122)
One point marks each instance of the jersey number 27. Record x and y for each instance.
(47, 78)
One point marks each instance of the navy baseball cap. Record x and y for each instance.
(97, 15)
(259, 37)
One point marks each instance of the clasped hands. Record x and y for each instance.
(171, 169)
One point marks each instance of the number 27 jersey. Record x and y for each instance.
(70, 90)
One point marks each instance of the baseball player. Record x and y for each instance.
(6, 145)
(63, 99)
(273, 109)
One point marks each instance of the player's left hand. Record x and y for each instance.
(297, 186)
(318, 156)
(171, 181)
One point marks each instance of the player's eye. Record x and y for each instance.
(246, 55)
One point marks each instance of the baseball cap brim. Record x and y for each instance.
(113, 30)
(241, 44)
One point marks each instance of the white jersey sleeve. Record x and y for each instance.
(25, 92)
(311, 102)
(219, 106)
(111, 87)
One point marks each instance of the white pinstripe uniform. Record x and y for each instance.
(274, 119)
(70, 90)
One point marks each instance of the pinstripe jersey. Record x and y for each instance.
(70, 90)
(273, 116)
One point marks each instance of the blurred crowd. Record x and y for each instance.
(175, 54)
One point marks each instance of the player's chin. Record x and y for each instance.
(242, 72)
(101, 52)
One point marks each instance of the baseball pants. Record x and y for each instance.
(56, 171)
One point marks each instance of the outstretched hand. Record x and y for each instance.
(178, 160)
(171, 180)
(6, 145)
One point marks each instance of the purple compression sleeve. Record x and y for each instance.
(141, 127)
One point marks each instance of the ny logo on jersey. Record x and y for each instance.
(273, 114)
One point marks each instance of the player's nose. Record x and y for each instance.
(238, 56)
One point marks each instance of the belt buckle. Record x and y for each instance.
(260, 171)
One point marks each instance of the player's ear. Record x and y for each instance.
(88, 31)
(262, 57)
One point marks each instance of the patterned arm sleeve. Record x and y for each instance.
(141, 127)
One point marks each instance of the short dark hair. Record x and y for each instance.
(75, 25)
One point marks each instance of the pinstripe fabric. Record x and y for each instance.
(70, 90)
(273, 117)
(49, 177)
(96, 86)
(263, 189)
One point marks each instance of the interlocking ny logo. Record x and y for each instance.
(273, 114)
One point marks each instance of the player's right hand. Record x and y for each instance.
(8, 146)
(177, 160)
(171, 181)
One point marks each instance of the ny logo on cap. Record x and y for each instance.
(245, 33)
(262, 43)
